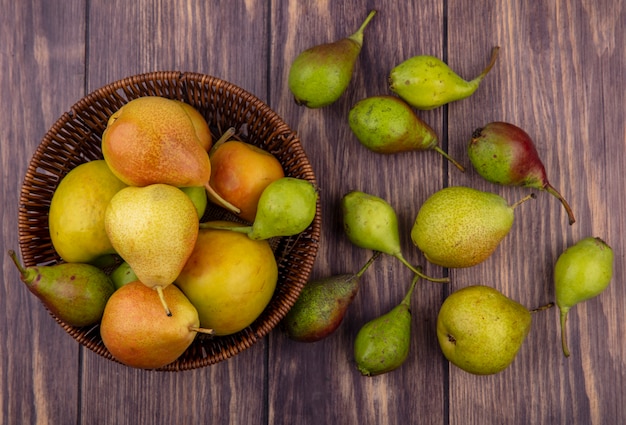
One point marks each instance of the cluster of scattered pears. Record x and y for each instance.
(479, 329)
(144, 204)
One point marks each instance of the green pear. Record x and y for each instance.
(371, 223)
(383, 343)
(154, 229)
(583, 271)
(460, 227)
(480, 330)
(426, 82)
(76, 293)
(122, 275)
(386, 124)
(138, 334)
(286, 207)
(322, 305)
(198, 196)
(76, 216)
(321, 74)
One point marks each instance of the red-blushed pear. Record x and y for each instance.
(240, 172)
(138, 334)
(152, 140)
(154, 229)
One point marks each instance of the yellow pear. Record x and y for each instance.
(76, 217)
(229, 278)
(154, 229)
(138, 334)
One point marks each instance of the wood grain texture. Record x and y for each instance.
(560, 76)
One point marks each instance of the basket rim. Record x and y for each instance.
(123, 90)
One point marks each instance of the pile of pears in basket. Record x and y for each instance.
(176, 274)
(478, 328)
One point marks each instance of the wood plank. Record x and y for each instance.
(555, 59)
(319, 383)
(42, 73)
(185, 36)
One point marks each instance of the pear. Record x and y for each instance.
(583, 271)
(229, 278)
(460, 227)
(386, 124)
(152, 140)
(505, 154)
(75, 293)
(426, 82)
(122, 275)
(286, 207)
(383, 344)
(371, 223)
(240, 172)
(138, 334)
(319, 75)
(76, 216)
(480, 330)
(198, 197)
(322, 305)
(154, 229)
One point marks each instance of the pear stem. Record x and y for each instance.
(542, 308)
(223, 202)
(494, 55)
(524, 199)
(159, 290)
(369, 262)
(223, 139)
(449, 158)
(357, 37)
(214, 226)
(201, 330)
(563, 319)
(407, 298)
(419, 273)
(17, 263)
(570, 214)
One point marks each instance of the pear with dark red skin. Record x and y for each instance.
(505, 154)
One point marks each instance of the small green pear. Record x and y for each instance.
(383, 344)
(122, 275)
(371, 223)
(480, 330)
(286, 207)
(198, 196)
(321, 74)
(583, 271)
(76, 293)
(322, 305)
(426, 82)
(386, 124)
(460, 227)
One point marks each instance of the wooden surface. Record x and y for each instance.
(560, 76)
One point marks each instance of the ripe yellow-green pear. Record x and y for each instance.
(154, 229)
(229, 278)
(480, 330)
(76, 217)
(460, 227)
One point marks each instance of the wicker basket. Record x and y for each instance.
(76, 138)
